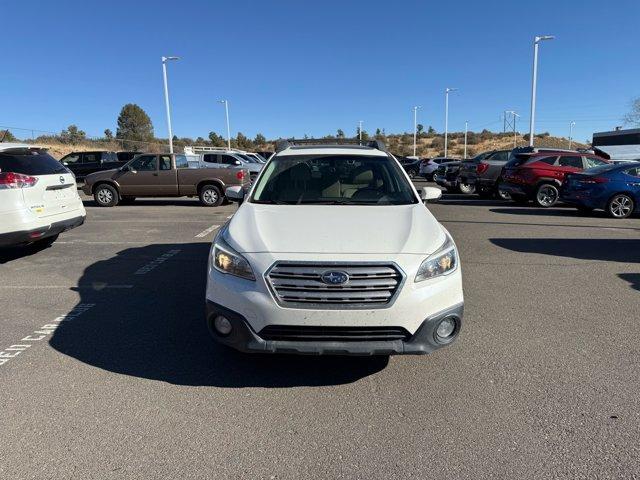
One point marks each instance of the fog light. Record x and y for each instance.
(446, 329)
(222, 325)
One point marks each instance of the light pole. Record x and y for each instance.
(446, 117)
(466, 129)
(166, 98)
(226, 112)
(415, 127)
(532, 119)
(360, 131)
(571, 125)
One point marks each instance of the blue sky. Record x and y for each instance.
(290, 68)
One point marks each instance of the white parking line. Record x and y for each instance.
(158, 261)
(43, 332)
(206, 232)
(82, 242)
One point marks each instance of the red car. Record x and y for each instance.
(538, 176)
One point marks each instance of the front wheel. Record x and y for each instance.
(620, 206)
(412, 173)
(546, 195)
(467, 189)
(210, 196)
(106, 196)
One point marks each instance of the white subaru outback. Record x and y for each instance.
(334, 252)
(38, 196)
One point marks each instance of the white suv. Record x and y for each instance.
(38, 196)
(334, 252)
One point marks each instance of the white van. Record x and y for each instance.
(38, 196)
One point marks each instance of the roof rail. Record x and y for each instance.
(329, 142)
(191, 149)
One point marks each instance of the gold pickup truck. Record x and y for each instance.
(162, 175)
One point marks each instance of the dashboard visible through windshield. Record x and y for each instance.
(333, 179)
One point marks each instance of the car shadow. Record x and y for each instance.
(610, 250)
(559, 211)
(632, 278)
(156, 330)
(9, 254)
(186, 202)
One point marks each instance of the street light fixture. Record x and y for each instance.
(415, 127)
(536, 41)
(466, 130)
(360, 131)
(226, 111)
(571, 125)
(446, 117)
(166, 98)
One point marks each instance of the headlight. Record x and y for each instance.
(442, 262)
(227, 260)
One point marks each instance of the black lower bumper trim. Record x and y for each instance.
(245, 339)
(27, 236)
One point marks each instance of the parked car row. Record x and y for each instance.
(543, 176)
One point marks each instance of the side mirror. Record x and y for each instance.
(430, 194)
(235, 193)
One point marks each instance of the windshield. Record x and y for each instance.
(333, 179)
(247, 158)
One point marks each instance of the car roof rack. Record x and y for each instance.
(329, 143)
(191, 149)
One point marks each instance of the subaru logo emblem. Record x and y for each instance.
(61, 180)
(335, 277)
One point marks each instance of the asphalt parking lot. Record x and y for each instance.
(542, 383)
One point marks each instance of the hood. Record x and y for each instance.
(395, 229)
(92, 177)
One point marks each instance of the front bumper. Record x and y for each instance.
(35, 234)
(245, 339)
(445, 182)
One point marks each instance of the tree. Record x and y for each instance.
(633, 117)
(340, 133)
(431, 130)
(72, 135)
(217, 140)
(135, 126)
(242, 141)
(108, 134)
(419, 128)
(7, 136)
(260, 139)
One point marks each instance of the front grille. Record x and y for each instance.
(370, 285)
(333, 334)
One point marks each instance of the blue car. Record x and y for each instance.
(614, 188)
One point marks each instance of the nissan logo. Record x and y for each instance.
(334, 277)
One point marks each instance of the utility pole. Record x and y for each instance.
(466, 129)
(514, 117)
(360, 131)
(415, 128)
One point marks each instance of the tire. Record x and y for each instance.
(520, 199)
(106, 196)
(467, 189)
(210, 196)
(412, 173)
(547, 195)
(620, 206)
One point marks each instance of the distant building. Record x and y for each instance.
(619, 145)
